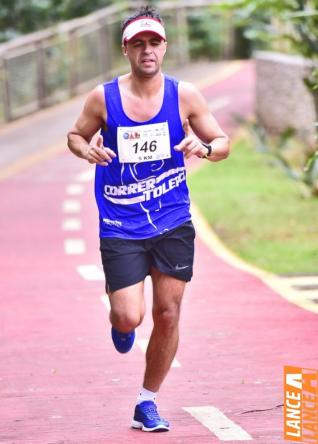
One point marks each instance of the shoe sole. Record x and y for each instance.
(126, 350)
(139, 425)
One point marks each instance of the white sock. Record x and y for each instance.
(146, 395)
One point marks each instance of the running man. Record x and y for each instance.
(149, 123)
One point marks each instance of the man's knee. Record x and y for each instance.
(167, 317)
(125, 322)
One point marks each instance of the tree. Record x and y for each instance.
(293, 21)
(22, 16)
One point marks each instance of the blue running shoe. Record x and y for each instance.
(147, 418)
(123, 341)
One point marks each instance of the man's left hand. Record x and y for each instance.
(191, 144)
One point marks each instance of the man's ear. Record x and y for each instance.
(124, 49)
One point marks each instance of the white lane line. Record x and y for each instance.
(71, 224)
(218, 423)
(71, 206)
(91, 272)
(143, 344)
(74, 246)
(105, 301)
(86, 176)
(74, 189)
(219, 103)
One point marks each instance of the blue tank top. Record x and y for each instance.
(142, 199)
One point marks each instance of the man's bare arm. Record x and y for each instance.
(200, 126)
(91, 119)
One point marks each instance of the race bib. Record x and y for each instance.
(143, 143)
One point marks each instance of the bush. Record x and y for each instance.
(206, 35)
(22, 16)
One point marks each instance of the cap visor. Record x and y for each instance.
(144, 32)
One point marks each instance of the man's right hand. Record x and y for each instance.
(99, 154)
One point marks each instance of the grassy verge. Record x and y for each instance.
(258, 212)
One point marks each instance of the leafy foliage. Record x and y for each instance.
(266, 20)
(206, 36)
(289, 153)
(21, 16)
(292, 21)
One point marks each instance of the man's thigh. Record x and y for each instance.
(125, 263)
(129, 301)
(173, 252)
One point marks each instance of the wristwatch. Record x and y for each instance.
(209, 148)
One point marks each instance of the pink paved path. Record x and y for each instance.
(61, 379)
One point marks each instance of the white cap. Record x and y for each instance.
(143, 24)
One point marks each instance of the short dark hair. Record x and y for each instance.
(144, 11)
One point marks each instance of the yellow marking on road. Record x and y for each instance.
(31, 160)
(223, 73)
(279, 285)
(40, 114)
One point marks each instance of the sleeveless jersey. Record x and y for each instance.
(142, 193)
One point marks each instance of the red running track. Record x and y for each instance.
(61, 379)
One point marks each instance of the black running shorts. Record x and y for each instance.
(128, 261)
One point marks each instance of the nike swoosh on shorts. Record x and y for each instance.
(177, 267)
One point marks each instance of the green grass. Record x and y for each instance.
(258, 212)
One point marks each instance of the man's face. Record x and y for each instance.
(145, 53)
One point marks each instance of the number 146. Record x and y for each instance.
(151, 146)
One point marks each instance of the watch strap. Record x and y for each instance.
(209, 148)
